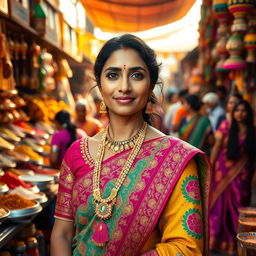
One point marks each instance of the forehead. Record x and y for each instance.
(126, 56)
(241, 107)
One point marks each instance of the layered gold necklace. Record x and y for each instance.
(103, 206)
(119, 146)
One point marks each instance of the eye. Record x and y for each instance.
(137, 75)
(112, 75)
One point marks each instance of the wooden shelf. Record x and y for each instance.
(14, 26)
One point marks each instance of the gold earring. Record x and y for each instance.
(149, 108)
(103, 108)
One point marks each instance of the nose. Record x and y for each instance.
(124, 85)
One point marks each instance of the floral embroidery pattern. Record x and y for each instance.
(190, 189)
(192, 223)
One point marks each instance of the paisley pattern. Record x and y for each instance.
(191, 189)
(192, 223)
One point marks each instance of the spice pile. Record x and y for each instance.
(15, 201)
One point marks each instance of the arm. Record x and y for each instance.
(215, 150)
(54, 157)
(177, 237)
(61, 238)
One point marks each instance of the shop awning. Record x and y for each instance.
(135, 15)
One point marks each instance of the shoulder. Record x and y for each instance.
(94, 120)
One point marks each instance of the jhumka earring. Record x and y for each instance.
(149, 107)
(103, 108)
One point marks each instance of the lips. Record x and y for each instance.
(124, 99)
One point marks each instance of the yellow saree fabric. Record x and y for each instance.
(171, 237)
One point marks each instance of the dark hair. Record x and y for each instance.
(64, 118)
(233, 141)
(147, 54)
(194, 101)
(236, 94)
(182, 93)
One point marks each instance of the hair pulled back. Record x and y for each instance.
(147, 54)
(64, 119)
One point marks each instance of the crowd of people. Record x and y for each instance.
(127, 187)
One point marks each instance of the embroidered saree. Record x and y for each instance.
(231, 190)
(196, 131)
(161, 207)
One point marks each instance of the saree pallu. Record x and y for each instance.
(196, 130)
(140, 200)
(231, 190)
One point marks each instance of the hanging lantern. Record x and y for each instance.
(220, 8)
(235, 47)
(240, 9)
(250, 38)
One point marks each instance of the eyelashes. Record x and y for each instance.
(134, 75)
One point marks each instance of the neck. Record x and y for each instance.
(121, 129)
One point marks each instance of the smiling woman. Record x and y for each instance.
(131, 190)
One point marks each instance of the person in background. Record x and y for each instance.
(171, 111)
(230, 103)
(212, 108)
(66, 134)
(85, 122)
(222, 95)
(233, 157)
(131, 190)
(196, 128)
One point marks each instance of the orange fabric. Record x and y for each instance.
(91, 126)
(179, 114)
(135, 15)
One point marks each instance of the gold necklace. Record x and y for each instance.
(119, 146)
(103, 206)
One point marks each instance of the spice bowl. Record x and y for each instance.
(42, 181)
(4, 213)
(20, 215)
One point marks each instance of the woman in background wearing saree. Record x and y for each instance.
(233, 158)
(196, 128)
(131, 190)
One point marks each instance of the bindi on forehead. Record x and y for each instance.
(124, 67)
(125, 48)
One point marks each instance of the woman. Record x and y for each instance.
(233, 155)
(85, 122)
(230, 103)
(119, 191)
(196, 128)
(66, 134)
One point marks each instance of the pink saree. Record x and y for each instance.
(140, 200)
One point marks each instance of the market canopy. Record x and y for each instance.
(135, 15)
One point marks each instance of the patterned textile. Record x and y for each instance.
(196, 131)
(232, 189)
(149, 202)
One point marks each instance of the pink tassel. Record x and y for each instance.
(100, 235)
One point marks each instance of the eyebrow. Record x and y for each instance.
(119, 69)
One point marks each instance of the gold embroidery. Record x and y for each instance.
(176, 157)
(168, 172)
(128, 210)
(153, 163)
(87, 182)
(105, 171)
(140, 185)
(159, 188)
(144, 220)
(121, 162)
(117, 235)
(152, 203)
(69, 178)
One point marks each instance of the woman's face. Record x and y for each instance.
(231, 103)
(125, 83)
(81, 113)
(240, 114)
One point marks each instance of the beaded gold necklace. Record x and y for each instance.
(103, 206)
(119, 146)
